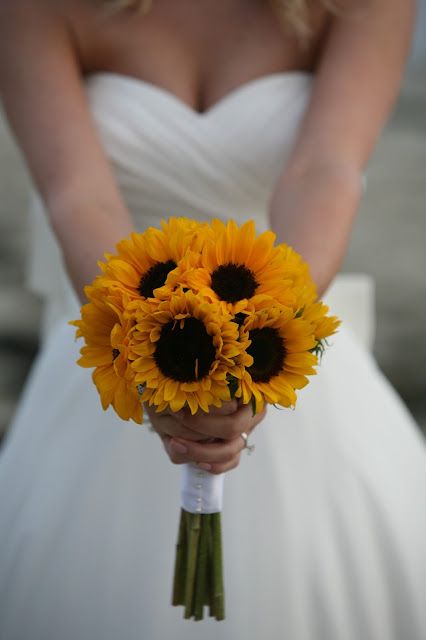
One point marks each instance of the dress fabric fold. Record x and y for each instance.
(324, 527)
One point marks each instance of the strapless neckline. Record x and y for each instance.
(242, 91)
(170, 160)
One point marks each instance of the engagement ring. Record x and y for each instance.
(250, 447)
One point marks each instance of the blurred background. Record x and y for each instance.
(388, 244)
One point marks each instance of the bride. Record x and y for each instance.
(129, 113)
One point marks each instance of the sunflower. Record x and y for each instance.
(298, 273)
(144, 261)
(183, 351)
(106, 328)
(277, 359)
(323, 325)
(236, 266)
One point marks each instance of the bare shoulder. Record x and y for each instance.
(47, 9)
(357, 80)
(15, 15)
(22, 25)
(368, 33)
(20, 18)
(44, 98)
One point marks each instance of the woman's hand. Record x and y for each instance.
(212, 440)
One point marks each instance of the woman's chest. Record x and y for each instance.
(197, 51)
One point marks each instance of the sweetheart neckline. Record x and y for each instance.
(237, 92)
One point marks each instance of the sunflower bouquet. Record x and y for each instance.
(190, 316)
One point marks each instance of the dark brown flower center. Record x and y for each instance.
(185, 354)
(268, 352)
(155, 277)
(115, 354)
(232, 282)
(239, 318)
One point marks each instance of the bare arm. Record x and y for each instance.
(43, 95)
(42, 91)
(357, 80)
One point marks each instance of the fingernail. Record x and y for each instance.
(180, 448)
(204, 465)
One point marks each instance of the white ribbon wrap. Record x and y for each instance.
(201, 491)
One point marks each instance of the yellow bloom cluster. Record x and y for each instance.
(193, 314)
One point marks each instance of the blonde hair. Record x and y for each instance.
(294, 14)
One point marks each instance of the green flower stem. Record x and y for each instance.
(217, 605)
(201, 590)
(198, 577)
(208, 588)
(193, 531)
(180, 563)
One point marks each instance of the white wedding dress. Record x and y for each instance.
(324, 527)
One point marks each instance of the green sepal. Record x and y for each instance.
(233, 385)
(320, 348)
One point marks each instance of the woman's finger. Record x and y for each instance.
(222, 451)
(212, 457)
(165, 424)
(224, 426)
(223, 467)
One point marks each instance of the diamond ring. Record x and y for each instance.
(250, 447)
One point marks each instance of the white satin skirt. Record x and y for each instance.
(324, 526)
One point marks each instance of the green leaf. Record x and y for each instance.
(320, 348)
(233, 385)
